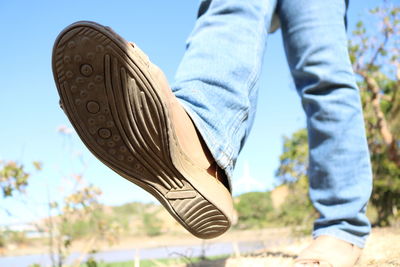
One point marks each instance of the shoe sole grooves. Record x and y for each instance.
(119, 115)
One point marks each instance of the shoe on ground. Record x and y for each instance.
(328, 251)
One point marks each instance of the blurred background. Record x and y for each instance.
(63, 207)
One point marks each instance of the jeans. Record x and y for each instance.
(216, 83)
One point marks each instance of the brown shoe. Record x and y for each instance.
(122, 108)
(328, 251)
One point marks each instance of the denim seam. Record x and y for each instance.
(254, 73)
(251, 81)
(342, 235)
(240, 118)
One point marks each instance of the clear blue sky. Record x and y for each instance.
(30, 115)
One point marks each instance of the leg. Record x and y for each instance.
(340, 173)
(216, 79)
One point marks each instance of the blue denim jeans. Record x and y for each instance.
(216, 83)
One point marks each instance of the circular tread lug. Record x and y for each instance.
(110, 144)
(77, 58)
(86, 70)
(71, 44)
(67, 59)
(104, 133)
(91, 86)
(101, 142)
(85, 40)
(90, 55)
(79, 80)
(93, 107)
(92, 130)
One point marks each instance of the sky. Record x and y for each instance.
(30, 114)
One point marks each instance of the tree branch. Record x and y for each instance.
(386, 38)
(382, 124)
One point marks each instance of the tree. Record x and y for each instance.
(294, 159)
(375, 57)
(13, 177)
(13, 180)
(253, 209)
(297, 209)
(80, 216)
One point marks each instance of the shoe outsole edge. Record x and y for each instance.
(119, 113)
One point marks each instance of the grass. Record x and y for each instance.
(155, 262)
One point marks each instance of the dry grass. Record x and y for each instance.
(383, 249)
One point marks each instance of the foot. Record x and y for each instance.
(327, 251)
(188, 137)
(122, 108)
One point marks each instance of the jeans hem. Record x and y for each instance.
(342, 235)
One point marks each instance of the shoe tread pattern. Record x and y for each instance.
(118, 114)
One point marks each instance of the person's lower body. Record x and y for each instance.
(216, 83)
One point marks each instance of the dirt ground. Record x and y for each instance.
(269, 235)
(382, 249)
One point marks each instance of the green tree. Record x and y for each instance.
(253, 209)
(297, 209)
(375, 56)
(151, 223)
(13, 181)
(294, 159)
(80, 216)
(13, 177)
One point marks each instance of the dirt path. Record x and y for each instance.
(280, 247)
(382, 249)
(270, 236)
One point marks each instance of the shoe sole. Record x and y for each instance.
(116, 108)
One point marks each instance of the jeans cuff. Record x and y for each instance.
(342, 235)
